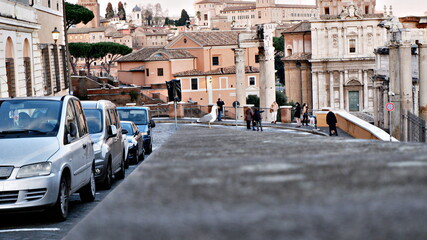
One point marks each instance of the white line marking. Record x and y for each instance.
(408, 164)
(29, 230)
(273, 167)
(285, 178)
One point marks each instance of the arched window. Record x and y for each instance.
(10, 68)
(27, 68)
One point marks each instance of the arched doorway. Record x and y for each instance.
(27, 68)
(10, 68)
(353, 91)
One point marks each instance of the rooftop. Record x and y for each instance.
(155, 54)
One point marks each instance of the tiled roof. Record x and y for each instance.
(155, 54)
(208, 1)
(239, 8)
(218, 71)
(298, 56)
(138, 69)
(300, 27)
(85, 30)
(214, 38)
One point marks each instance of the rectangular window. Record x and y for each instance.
(326, 11)
(194, 84)
(366, 9)
(252, 81)
(147, 72)
(352, 45)
(257, 58)
(215, 61)
(205, 17)
(159, 72)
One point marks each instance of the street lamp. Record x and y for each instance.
(55, 34)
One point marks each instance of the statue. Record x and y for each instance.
(260, 32)
(350, 12)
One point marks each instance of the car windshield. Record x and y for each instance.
(128, 127)
(94, 120)
(29, 118)
(138, 116)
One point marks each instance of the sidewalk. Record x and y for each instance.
(225, 184)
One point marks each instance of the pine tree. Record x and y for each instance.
(184, 18)
(109, 12)
(121, 11)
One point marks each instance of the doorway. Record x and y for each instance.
(353, 99)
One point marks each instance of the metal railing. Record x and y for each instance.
(416, 128)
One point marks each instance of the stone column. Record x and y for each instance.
(315, 91)
(323, 95)
(406, 84)
(341, 90)
(239, 54)
(394, 72)
(360, 77)
(268, 78)
(365, 91)
(422, 51)
(331, 90)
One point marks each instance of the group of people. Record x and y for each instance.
(254, 118)
(301, 114)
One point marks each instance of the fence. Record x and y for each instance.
(416, 128)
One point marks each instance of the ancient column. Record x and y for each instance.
(239, 54)
(365, 91)
(315, 91)
(342, 90)
(422, 52)
(268, 78)
(406, 84)
(394, 90)
(331, 90)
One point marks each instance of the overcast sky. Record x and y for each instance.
(400, 7)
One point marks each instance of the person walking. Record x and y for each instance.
(305, 114)
(258, 119)
(273, 110)
(249, 118)
(298, 114)
(331, 120)
(220, 105)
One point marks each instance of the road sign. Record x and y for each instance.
(236, 104)
(389, 106)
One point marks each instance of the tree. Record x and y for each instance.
(76, 14)
(86, 51)
(184, 18)
(253, 99)
(167, 21)
(158, 13)
(198, 15)
(109, 11)
(148, 16)
(278, 43)
(281, 98)
(121, 11)
(110, 52)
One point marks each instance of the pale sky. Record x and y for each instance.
(400, 7)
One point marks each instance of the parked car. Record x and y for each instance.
(46, 154)
(141, 117)
(135, 142)
(106, 133)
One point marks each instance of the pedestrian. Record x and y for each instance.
(220, 105)
(258, 119)
(249, 118)
(297, 114)
(331, 120)
(273, 110)
(305, 114)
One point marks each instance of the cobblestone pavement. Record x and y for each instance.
(223, 183)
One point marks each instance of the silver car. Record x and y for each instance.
(106, 133)
(46, 154)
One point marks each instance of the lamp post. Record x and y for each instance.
(55, 35)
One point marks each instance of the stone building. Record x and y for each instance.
(242, 14)
(343, 59)
(297, 50)
(92, 5)
(31, 62)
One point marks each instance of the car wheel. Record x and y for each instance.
(108, 178)
(149, 149)
(136, 159)
(127, 163)
(59, 211)
(88, 192)
(121, 174)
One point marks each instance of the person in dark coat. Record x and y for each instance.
(249, 118)
(257, 119)
(297, 114)
(331, 120)
(220, 104)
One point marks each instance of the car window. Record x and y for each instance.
(129, 128)
(29, 118)
(138, 116)
(71, 118)
(94, 120)
(82, 126)
(108, 120)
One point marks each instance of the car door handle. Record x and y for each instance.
(84, 146)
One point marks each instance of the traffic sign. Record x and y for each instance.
(236, 104)
(389, 106)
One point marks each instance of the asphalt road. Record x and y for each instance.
(36, 225)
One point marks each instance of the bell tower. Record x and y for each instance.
(92, 5)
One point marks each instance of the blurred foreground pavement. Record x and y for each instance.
(243, 185)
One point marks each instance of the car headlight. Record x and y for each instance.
(35, 170)
(97, 146)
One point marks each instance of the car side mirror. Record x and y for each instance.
(72, 132)
(112, 131)
(152, 123)
(124, 131)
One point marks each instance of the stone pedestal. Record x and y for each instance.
(285, 114)
(179, 110)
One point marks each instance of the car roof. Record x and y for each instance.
(133, 107)
(100, 104)
(127, 122)
(52, 98)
